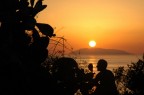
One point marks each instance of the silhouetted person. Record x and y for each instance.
(86, 85)
(104, 80)
(90, 67)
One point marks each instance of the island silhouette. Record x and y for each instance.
(100, 51)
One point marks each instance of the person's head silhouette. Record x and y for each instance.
(90, 67)
(101, 65)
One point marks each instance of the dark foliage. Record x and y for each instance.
(130, 80)
(24, 44)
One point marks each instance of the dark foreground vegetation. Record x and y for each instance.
(27, 69)
(130, 80)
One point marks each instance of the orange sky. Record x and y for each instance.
(114, 24)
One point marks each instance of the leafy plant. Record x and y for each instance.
(20, 30)
(130, 80)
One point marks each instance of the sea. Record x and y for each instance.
(114, 61)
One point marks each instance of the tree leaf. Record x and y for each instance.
(38, 4)
(38, 9)
(46, 29)
(32, 3)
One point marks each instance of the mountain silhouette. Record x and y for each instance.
(99, 51)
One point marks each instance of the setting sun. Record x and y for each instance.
(92, 43)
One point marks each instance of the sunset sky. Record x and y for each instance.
(113, 24)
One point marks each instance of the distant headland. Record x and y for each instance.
(100, 51)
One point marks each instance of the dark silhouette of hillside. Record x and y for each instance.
(99, 51)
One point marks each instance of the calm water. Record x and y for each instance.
(114, 61)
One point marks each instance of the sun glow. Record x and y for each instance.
(92, 43)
